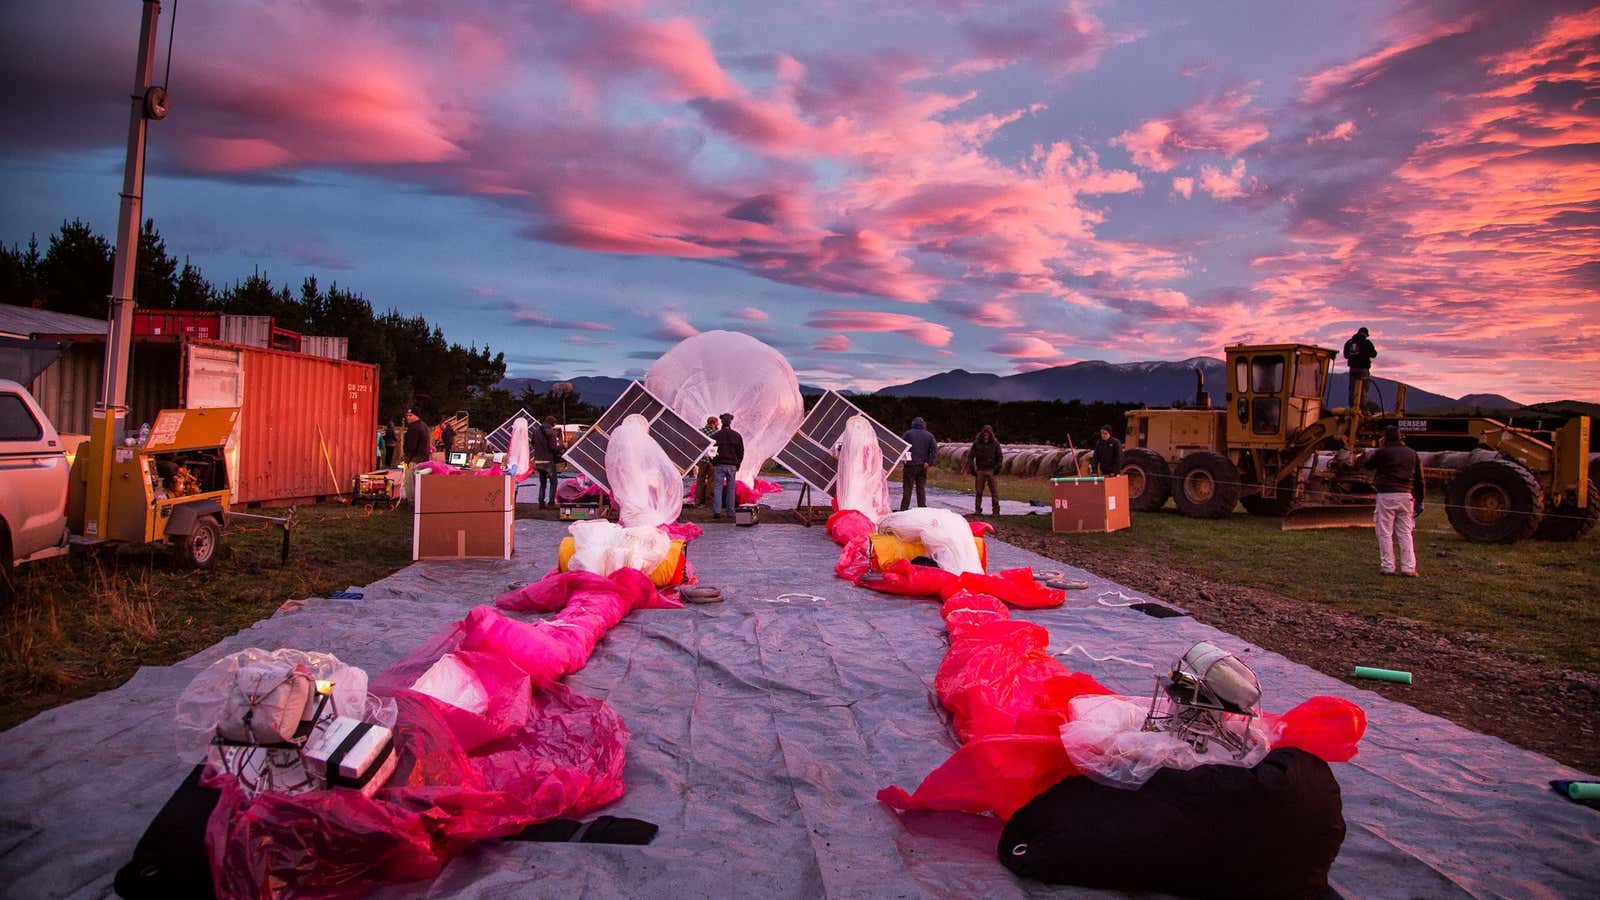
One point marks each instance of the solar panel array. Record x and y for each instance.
(499, 440)
(809, 454)
(684, 444)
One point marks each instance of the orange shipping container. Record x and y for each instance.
(307, 426)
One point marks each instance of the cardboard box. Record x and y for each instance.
(463, 517)
(1089, 504)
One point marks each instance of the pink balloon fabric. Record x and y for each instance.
(536, 751)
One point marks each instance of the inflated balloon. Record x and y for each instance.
(517, 453)
(646, 486)
(727, 372)
(863, 486)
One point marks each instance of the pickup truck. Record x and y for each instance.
(34, 475)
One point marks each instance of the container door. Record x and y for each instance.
(214, 376)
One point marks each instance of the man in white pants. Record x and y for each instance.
(1398, 480)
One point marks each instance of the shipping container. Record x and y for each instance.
(307, 426)
(162, 323)
(285, 340)
(251, 331)
(325, 346)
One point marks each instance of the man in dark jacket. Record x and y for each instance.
(544, 453)
(1397, 477)
(1107, 453)
(417, 448)
(702, 469)
(924, 452)
(725, 469)
(447, 440)
(391, 445)
(1359, 353)
(984, 462)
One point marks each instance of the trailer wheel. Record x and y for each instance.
(1567, 522)
(199, 550)
(1149, 479)
(1207, 485)
(1495, 501)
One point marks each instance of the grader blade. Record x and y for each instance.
(1339, 515)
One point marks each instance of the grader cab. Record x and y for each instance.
(1277, 446)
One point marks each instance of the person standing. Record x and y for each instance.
(924, 452)
(1359, 354)
(1397, 477)
(1107, 453)
(418, 449)
(984, 463)
(725, 468)
(391, 444)
(545, 452)
(447, 440)
(703, 468)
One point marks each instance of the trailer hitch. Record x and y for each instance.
(287, 523)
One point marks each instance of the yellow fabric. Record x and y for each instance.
(662, 576)
(886, 548)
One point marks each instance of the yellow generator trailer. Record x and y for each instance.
(1277, 448)
(173, 488)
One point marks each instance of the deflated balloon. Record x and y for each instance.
(646, 486)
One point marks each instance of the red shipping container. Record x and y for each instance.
(307, 426)
(199, 326)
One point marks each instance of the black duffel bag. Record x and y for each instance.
(1213, 831)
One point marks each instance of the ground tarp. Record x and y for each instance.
(763, 727)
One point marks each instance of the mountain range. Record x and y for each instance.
(1157, 383)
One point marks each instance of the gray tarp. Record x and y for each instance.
(763, 727)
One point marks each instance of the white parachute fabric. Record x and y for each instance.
(863, 486)
(1105, 738)
(645, 485)
(517, 452)
(728, 372)
(604, 547)
(947, 536)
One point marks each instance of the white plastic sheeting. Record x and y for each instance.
(762, 731)
(201, 704)
(863, 485)
(728, 372)
(454, 682)
(517, 452)
(1106, 740)
(645, 485)
(603, 547)
(947, 536)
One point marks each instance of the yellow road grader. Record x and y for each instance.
(1276, 447)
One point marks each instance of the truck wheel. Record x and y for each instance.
(7, 571)
(1149, 479)
(1567, 522)
(199, 550)
(1207, 485)
(1495, 501)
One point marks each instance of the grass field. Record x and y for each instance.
(84, 624)
(1537, 597)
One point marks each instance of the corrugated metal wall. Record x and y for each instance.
(252, 331)
(325, 346)
(68, 390)
(302, 416)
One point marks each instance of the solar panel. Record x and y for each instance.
(809, 454)
(684, 444)
(499, 439)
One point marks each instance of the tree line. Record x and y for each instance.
(417, 366)
(1014, 421)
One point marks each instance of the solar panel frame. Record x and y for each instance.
(683, 443)
(500, 438)
(809, 453)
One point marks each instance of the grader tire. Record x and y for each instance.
(1277, 507)
(1495, 501)
(1206, 486)
(1149, 479)
(1567, 522)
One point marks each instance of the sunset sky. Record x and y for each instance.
(881, 188)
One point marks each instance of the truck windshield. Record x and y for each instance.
(1266, 374)
(1307, 376)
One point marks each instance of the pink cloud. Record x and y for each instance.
(673, 326)
(922, 331)
(750, 314)
(1340, 132)
(1229, 185)
(1223, 124)
(524, 314)
(1023, 347)
(1183, 186)
(833, 343)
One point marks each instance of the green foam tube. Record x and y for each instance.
(1383, 674)
(1583, 790)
